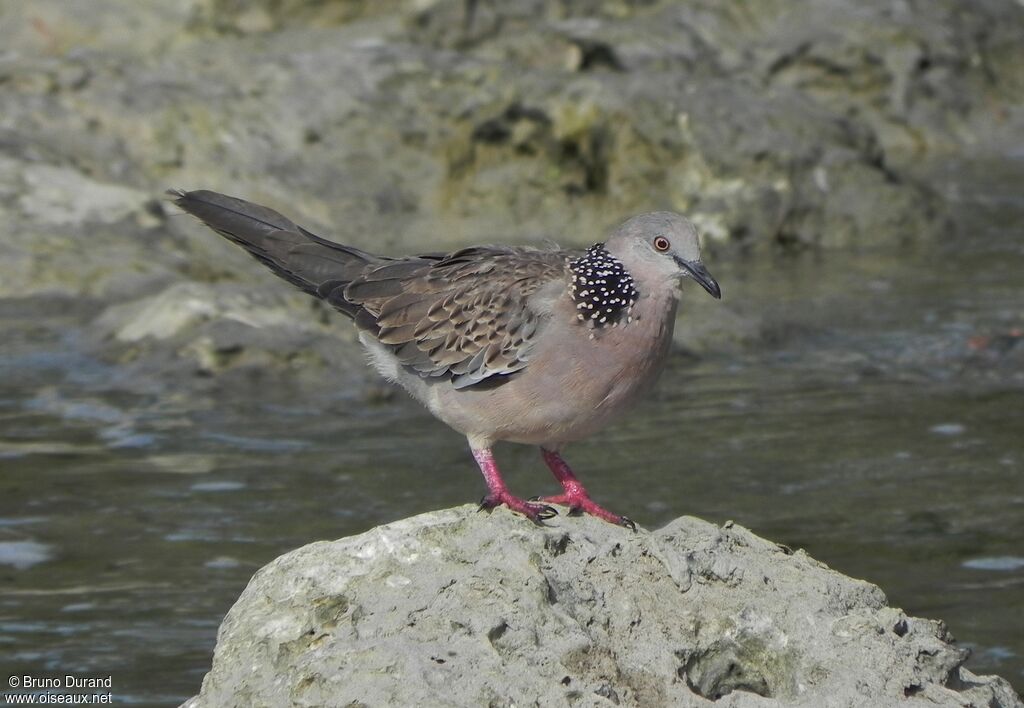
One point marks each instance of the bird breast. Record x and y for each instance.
(579, 379)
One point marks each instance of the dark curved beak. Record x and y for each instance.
(698, 272)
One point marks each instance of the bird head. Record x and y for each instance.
(661, 246)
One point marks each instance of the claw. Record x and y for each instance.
(547, 512)
(628, 523)
(534, 512)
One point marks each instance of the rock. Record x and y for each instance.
(59, 195)
(468, 609)
(431, 124)
(216, 330)
(66, 234)
(185, 305)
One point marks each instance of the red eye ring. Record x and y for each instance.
(661, 243)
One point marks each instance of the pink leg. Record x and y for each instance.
(498, 494)
(575, 496)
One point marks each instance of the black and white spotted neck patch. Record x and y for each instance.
(601, 288)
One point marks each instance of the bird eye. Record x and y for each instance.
(661, 243)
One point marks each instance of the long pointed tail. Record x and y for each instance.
(316, 265)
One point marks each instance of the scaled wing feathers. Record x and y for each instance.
(466, 316)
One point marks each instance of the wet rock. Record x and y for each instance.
(463, 608)
(219, 330)
(186, 305)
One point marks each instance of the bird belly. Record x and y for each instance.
(573, 387)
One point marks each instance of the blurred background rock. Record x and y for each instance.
(398, 126)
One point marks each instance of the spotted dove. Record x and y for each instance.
(535, 346)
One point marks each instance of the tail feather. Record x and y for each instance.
(314, 264)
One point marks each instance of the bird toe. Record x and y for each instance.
(533, 511)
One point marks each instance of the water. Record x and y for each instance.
(877, 424)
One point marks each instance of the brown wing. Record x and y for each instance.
(466, 315)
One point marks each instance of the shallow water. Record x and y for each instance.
(878, 425)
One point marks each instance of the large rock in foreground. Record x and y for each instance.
(470, 609)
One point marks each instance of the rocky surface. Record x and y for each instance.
(463, 608)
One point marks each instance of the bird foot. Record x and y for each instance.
(535, 512)
(581, 503)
